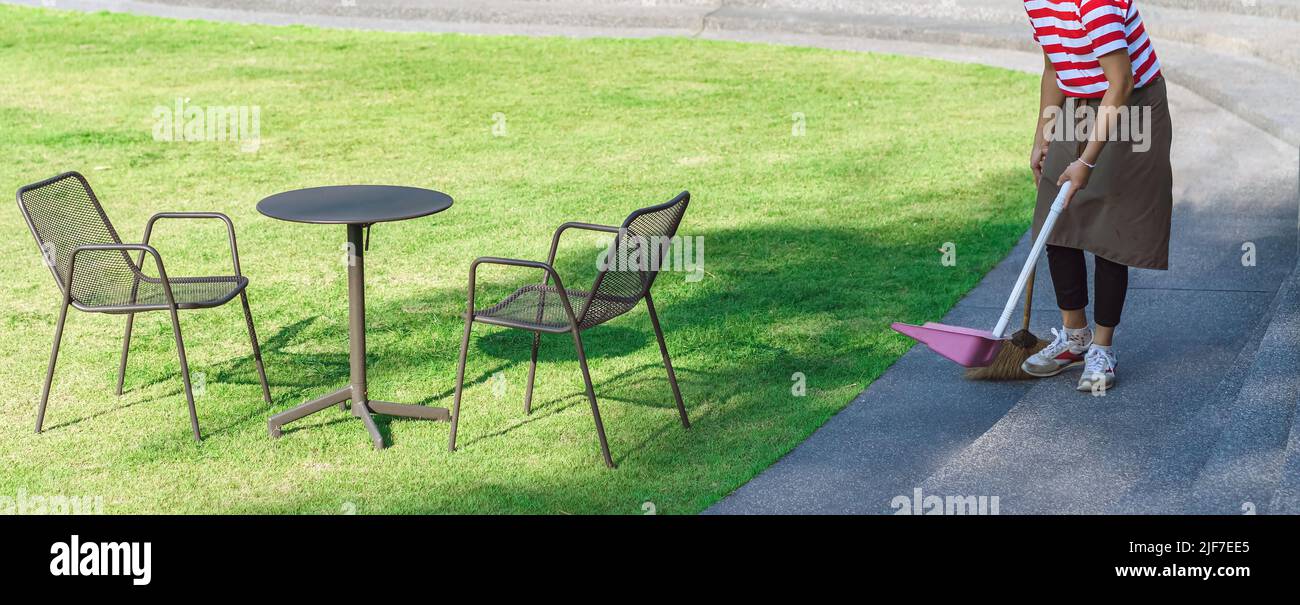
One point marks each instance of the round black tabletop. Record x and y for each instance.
(354, 204)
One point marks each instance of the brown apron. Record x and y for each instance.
(1123, 214)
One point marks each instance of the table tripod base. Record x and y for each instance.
(362, 410)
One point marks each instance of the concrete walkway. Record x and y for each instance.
(1203, 418)
(1040, 446)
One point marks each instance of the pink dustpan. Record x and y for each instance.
(967, 346)
(976, 348)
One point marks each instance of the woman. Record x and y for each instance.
(1098, 62)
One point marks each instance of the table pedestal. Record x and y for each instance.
(362, 406)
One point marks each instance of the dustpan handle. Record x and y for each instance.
(1057, 206)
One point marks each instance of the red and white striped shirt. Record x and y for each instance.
(1074, 33)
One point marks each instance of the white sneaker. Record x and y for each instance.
(1098, 371)
(1064, 352)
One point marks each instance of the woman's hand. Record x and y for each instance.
(1036, 157)
(1077, 173)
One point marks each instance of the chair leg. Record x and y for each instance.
(591, 396)
(460, 385)
(532, 371)
(668, 363)
(257, 349)
(185, 375)
(126, 347)
(49, 372)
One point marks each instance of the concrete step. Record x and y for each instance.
(1268, 39)
(1178, 456)
(1286, 500)
(1244, 468)
(1259, 92)
(925, 20)
(1283, 9)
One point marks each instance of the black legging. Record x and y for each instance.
(1070, 278)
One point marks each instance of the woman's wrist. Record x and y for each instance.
(1086, 163)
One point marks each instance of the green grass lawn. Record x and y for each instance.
(813, 244)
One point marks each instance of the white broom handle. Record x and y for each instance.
(1046, 230)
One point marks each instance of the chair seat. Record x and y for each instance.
(520, 309)
(189, 292)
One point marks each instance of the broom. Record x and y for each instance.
(1023, 344)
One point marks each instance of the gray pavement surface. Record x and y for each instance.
(1203, 418)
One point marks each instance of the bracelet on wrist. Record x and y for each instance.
(1085, 163)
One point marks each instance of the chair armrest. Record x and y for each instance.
(230, 230)
(142, 248)
(555, 239)
(514, 262)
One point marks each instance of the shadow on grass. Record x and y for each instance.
(238, 370)
(608, 341)
(779, 299)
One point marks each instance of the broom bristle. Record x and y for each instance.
(1006, 366)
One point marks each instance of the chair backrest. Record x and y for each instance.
(633, 261)
(64, 214)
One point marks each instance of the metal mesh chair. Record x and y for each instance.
(627, 272)
(95, 273)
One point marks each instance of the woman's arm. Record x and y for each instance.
(1049, 95)
(1119, 77)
